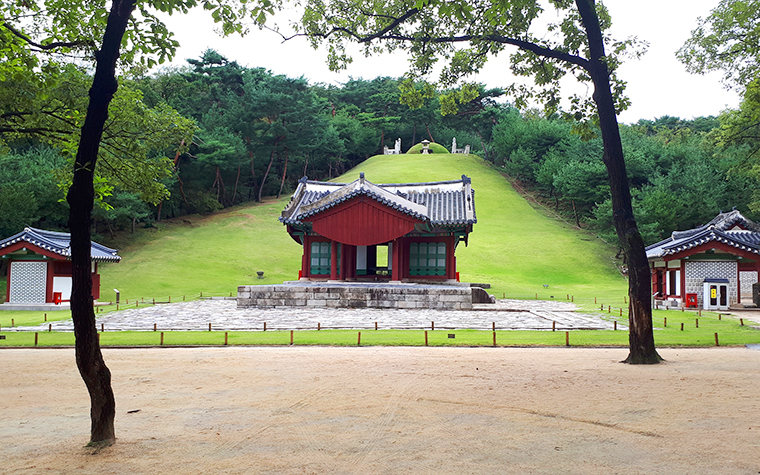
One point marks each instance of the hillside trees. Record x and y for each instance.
(432, 29)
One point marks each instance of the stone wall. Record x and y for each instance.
(747, 278)
(698, 271)
(394, 296)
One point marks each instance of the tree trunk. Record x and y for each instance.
(234, 193)
(266, 173)
(89, 358)
(575, 212)
(641, 335)
(284, 173)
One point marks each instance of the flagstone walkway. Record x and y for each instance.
(223, 314)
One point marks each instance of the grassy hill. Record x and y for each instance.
(514, 247)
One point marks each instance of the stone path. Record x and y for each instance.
(223, 314)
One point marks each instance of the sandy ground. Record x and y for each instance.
(308, 410)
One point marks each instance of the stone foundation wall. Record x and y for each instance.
(441, 297)
(698, 271)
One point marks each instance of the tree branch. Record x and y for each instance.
(51, 46)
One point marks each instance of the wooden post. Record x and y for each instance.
(716, 340)
(614, 325)
(154, 301)
(536, 296)
(35, 338)
(572, 298)
(170, 299)
(494, 338)
(665, 321)
(137, 303)
(696, 322)
(291, 337)
(601, 308)
(594, 300)
(625, 299)
(209, 327)
(319, 326)
(46, 317)
(741, 321)
(50, 327)
(13, 322)
(154, 327)
(681, 326)
(102, 327)
(609, 309)
(375, 325)
(621, 312)
(432, 326)
(183, 298)
(117, 306)
(567, 297)
(503, 295)
(265, 326)
(426, 339)
(719, 317)
(162, 338)
(225, 339)
(567, 338)
(554, 326)
(493, 326)
(359, 339)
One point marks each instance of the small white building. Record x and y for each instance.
(39, 268)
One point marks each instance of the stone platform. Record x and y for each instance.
(395, 295)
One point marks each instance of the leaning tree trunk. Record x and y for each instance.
(89, 359)
(641, 335)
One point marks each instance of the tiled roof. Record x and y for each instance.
(444, 203)
(730, 228)
(58, 243)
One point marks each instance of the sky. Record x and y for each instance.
(658, 83)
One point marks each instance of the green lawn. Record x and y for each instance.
(729, 329)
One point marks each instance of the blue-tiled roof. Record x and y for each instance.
(58, 243)
(729, 228)
(444, 203)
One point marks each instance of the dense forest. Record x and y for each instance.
(214, 134)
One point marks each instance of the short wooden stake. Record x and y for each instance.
(319, 326)
(225, 339)
(126, 301)
(46, 317)
(609, 309)
(183, 298)
(567, 338)
(681, 326)
(117, 306)
(567, 297)
(426, 340)
(291, 337)
(696, 322)
(35, 338)
(625, 299)
(50, 327)
(13, 322)
(665, 322)
(137, 303)
(265, 326)
(741, 321)
(359, 339)
(432, 326)
(719, 317)
(102, 327)
(621, 312)
(536, 296)
(554, 326)
(154, 327)
(493, 326)
(375, 325)
(170, 299)
(201, 293)
(716, 340)
(503, 295)
(209, 327)
(162, 338)
(154, 301)
(572, 298)
(614, 325)
(594, 300)
(601, 308)
(683, 308)
(700, 312)
(494, 338)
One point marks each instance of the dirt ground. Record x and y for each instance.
(380, 410)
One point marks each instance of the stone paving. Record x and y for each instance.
(223, 314)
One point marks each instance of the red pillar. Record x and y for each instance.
(395, 272)
(333, 260)
(306, 257)
(49, 283)
(451, 261)
(8, 283)
(683, 282)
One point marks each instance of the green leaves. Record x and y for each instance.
(727, 40)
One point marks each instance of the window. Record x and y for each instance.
(427, 258)
(320, 258)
